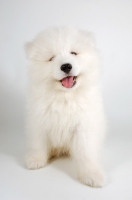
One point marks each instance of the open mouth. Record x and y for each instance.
(69, 81)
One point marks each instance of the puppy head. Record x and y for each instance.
(64, 58)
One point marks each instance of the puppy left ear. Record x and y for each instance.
(89, 37)
(29, 49)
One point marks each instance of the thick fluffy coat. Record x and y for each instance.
(65, 113)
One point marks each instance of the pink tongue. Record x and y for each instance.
(68, 81)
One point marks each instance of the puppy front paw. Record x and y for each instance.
(35, 161)
(93, 178)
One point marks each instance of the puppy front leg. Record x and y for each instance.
(85, 155)
(37, 156)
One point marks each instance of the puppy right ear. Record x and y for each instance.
(29, 49)
(89, 37)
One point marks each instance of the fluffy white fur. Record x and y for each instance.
(65, 120)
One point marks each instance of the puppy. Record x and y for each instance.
(65, 112)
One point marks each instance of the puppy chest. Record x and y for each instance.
(61, 126)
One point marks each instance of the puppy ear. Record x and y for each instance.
(29, 49)
(89, 37)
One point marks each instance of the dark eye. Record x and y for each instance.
(51, 58)
(74, 53)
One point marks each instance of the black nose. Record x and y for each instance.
(66, 67)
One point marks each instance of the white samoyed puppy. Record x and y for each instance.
(65, 112)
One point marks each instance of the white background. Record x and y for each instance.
(111, 23)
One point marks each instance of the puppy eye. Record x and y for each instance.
(51, 58)
(74, 53)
